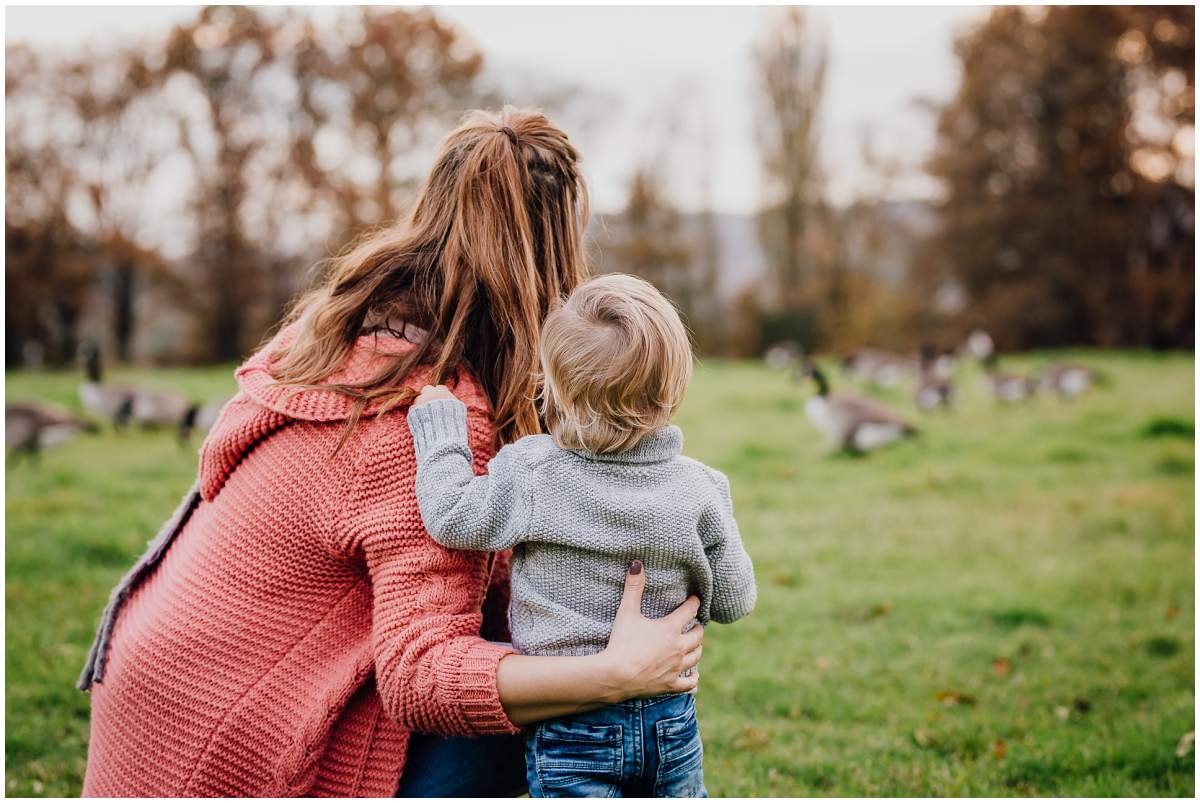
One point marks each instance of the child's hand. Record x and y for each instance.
(431, 393)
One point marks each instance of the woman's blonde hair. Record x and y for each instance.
(616, 361)
(494, 239)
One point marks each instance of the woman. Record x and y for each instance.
(293, 628)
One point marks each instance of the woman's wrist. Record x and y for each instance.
(534, 688)
(612, 678)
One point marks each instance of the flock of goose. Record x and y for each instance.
(30, 427)
(859, 424)
(851, 422)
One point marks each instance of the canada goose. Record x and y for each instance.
(855, 424)
(112, 404)
(159, 408)
(1067, 380)
(122, 405)
(979, 344)
(782, 355)
(199, 418)
(878, 367)
(934, 388)
(29, 428)
(1008, 388)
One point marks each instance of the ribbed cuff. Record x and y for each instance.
(475, 680)
(438, 422)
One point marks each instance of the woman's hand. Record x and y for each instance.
(652, 656)
(431, 393)
(644, 657)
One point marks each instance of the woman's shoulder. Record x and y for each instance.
(384, 436)
(368, 357)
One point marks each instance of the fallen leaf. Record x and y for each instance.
(1172, 611)
(949, 698)
(1062, 712)
(1186, 743)
(1083, 705)
(823, 662)
(751, 739)
(1001, 666)
(879, 610)
(999, 749)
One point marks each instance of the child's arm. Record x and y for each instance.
(486, 513)
(734, 591)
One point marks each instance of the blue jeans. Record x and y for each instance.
(639, 748)
(458, 766)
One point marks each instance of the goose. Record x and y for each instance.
(878, 367)
(934, 388)
(159, 408)
(122, 405)
(1008, 388)
(782, 355)
(979, 344)
(199, 418)
(29, 428)
(1067, 379)
(109, 403)
(855, 424)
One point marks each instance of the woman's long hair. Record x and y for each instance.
(494, 239)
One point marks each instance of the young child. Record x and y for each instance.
(605, 487)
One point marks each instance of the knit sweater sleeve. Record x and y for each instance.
(462, 510)
(433, 671)
(734, 590)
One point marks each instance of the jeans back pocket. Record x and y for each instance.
(579, 758)
(680, 756)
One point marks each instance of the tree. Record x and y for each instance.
(282, 140)
(649, 241)
(791, 66)
(118, 147)
(303, 143)
(47, 273)
(1066, 157)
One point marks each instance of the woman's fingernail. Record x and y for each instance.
(635, 567)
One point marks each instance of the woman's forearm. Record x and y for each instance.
(644, 657)
(533, 688)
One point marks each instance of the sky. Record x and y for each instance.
(632, 64)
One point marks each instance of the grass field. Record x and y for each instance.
(1003, 606)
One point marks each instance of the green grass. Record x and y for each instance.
(1003, 606)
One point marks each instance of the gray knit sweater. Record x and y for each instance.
(575, 520)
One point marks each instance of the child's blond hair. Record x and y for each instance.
(616, 361)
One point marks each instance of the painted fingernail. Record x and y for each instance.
(635, 567)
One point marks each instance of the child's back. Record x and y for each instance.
(575, 520)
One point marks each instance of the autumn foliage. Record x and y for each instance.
(172, 195)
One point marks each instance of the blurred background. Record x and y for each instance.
(986, 214)
(830, 177)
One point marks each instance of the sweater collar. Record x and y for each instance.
(366, 358)
(654, 447)
(263, 406)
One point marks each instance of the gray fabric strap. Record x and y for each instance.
(93, 670)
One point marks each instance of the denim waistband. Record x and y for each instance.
(646, 702)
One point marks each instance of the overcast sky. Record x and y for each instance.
(637, 62)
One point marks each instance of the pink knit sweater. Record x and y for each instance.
(303, 621)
